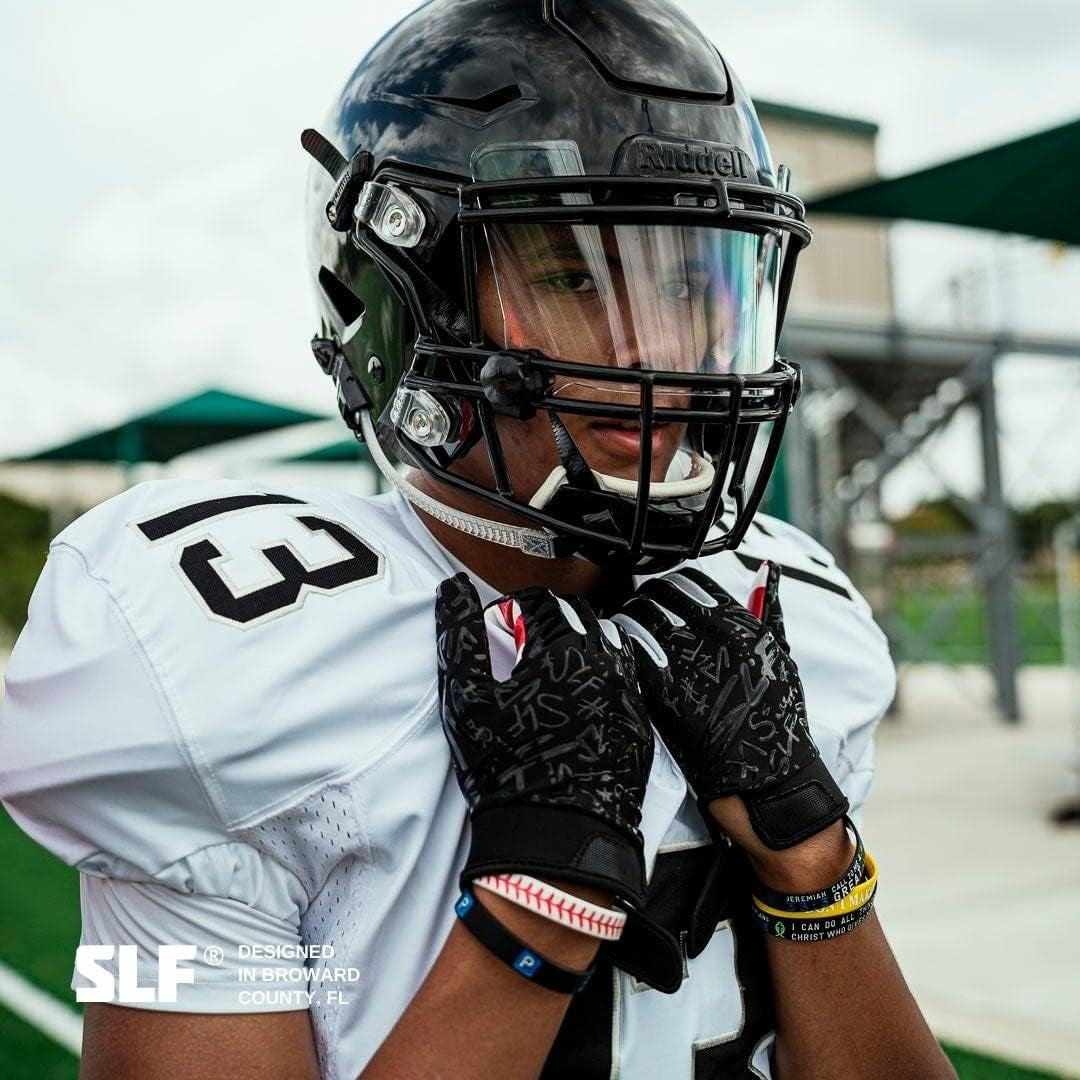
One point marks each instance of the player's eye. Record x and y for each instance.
(683, 288)
(570, 282)
(674, 290)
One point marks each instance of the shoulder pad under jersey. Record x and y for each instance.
(200, 654)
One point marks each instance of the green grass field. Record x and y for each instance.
(39, 929)
(948, 625)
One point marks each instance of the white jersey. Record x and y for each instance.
(223, 712)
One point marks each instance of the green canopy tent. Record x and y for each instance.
(340, 451)
(1027, 186)
(206, 418)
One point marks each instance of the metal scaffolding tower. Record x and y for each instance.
(873, 393)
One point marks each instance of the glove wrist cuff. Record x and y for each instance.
(550, 842)
(797, 808)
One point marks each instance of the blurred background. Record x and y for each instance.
(154, 318)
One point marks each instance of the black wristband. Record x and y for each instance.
(807, 930)
(527, 962)
(822, 898)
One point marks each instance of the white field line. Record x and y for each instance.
(51, 1017)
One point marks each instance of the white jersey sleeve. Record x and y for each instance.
(842, 655)
(93, 769)
(205, 669)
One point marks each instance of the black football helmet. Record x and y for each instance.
(562, 209)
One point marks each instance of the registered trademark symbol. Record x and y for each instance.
(213, 955)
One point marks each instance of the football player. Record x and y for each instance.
(494, 775)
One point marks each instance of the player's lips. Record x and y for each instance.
(624, 436)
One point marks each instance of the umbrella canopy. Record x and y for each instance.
(341, 450)
(1027, 186)
(203, 419)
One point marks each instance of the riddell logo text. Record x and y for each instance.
(657, 156)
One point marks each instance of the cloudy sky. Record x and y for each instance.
(152, 194)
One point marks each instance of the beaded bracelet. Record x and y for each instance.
(561, 907)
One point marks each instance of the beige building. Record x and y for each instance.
(845, 272)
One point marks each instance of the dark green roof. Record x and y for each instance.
(341, 450)
(772, 110)
(191, 423)
(1027, 186)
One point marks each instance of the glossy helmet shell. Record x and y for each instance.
(611, 75)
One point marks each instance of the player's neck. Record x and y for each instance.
(504, 568)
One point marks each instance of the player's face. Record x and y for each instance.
(614, 296)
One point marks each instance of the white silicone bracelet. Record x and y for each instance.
(556, 905)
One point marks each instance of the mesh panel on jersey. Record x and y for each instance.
(327, 922)
(312, 838)
(321, 842)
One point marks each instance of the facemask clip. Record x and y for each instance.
(394, 216)
(425, 419)
(511, 385)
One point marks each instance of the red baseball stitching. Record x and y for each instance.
(547, 900)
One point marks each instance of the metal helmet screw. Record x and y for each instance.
(419, 423)
(396, 222)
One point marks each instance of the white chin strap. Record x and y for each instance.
(538, 542)
(688, 474)
(696, 477)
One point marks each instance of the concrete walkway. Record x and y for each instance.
(980, 893)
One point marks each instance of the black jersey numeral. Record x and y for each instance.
(197, 565)
(295, 578)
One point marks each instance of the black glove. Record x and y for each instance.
(553, 762)
(725, 695)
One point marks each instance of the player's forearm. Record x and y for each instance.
(842, 1005)
(473, 1016)
(844, 1009)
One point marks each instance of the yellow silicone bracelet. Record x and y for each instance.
(854, 899)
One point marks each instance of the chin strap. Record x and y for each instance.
(537, 542)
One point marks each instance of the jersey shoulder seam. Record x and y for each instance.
(415, 718)
(157, 681)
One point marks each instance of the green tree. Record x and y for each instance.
(24, 541)
(1035, 524)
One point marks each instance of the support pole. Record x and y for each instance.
(800, 476)
(998, 561)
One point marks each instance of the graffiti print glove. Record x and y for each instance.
(553, 761)
(725, 695)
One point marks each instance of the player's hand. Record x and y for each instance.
(725, 694)
(553, 761)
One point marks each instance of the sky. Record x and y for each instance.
(151, 203)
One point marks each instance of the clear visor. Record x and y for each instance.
(670, 298)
